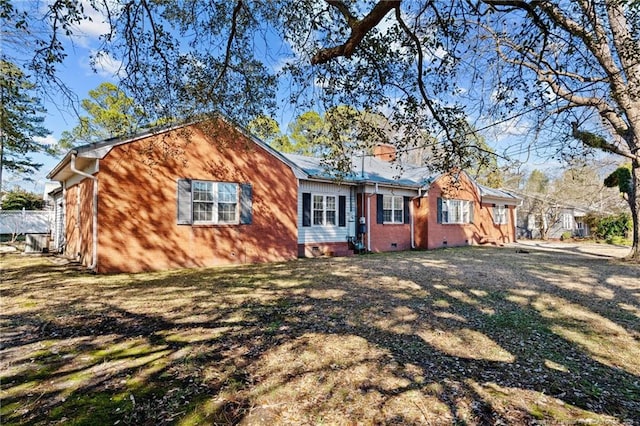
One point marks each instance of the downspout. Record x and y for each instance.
(369, 223)
(369, 217)
(94, 256)
(63, 249)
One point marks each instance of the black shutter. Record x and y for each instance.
(306, 209)
(246, 204)
(439, 212)
(379, 209)
(184, 202)
(342, 210)
(407, 201)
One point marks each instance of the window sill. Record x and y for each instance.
(213, 225)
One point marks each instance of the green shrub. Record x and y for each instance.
(566, 236)
(608, 227)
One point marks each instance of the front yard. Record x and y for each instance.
(457, 336)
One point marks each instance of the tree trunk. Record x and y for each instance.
(544, 230)
(634, 204)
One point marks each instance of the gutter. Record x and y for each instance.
(94, 256)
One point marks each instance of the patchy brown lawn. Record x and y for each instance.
(457, 336)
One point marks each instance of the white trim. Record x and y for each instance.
(215, 203)
(463, 208)
(500, 215)
(393, 209)
(91, 169)
(324, 210)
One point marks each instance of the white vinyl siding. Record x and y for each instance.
(329, 232)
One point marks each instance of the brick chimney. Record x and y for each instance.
(385, 152)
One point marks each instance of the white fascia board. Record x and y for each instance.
(499, 200)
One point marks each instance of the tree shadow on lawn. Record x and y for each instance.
(451, 336)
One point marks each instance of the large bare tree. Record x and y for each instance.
(583, 57)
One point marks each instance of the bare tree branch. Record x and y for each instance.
(421, 85)
(628, 48)
(359, 29)
(232, 34)
(344, 10)
(598, 142)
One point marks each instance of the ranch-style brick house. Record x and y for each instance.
(207, 194)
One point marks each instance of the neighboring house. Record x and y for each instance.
(191, 197)
(542, 217)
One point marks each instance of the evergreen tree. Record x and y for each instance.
(267, 129)
(18, 199)
(111, 113)
(21, 118)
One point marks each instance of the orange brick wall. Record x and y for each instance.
(389, 237)
(79, 222)
(324, 249)
(431, 234)
(138, 230)
(421, 222)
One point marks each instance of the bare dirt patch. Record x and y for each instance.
(456, 336)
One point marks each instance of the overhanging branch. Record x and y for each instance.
(232, 34)
(359, 29)
(595, 141)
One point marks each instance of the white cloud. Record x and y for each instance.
(48, 140)
(106, 65)
(509, 129)
(89, 29)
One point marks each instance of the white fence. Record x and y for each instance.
(20, 222)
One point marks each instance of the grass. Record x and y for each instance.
(619, 241)
(456, 336)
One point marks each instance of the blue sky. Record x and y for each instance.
(78, 74)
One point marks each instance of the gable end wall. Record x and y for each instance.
(138, 228)
(431, 235)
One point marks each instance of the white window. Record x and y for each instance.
(456, 211)
(324, 210)
(567, 221)
(393, 209)
(500, 215)
(215, 202)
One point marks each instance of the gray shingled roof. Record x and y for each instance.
(485, 191)
(367, 170)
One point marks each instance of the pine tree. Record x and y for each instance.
(21, 118)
